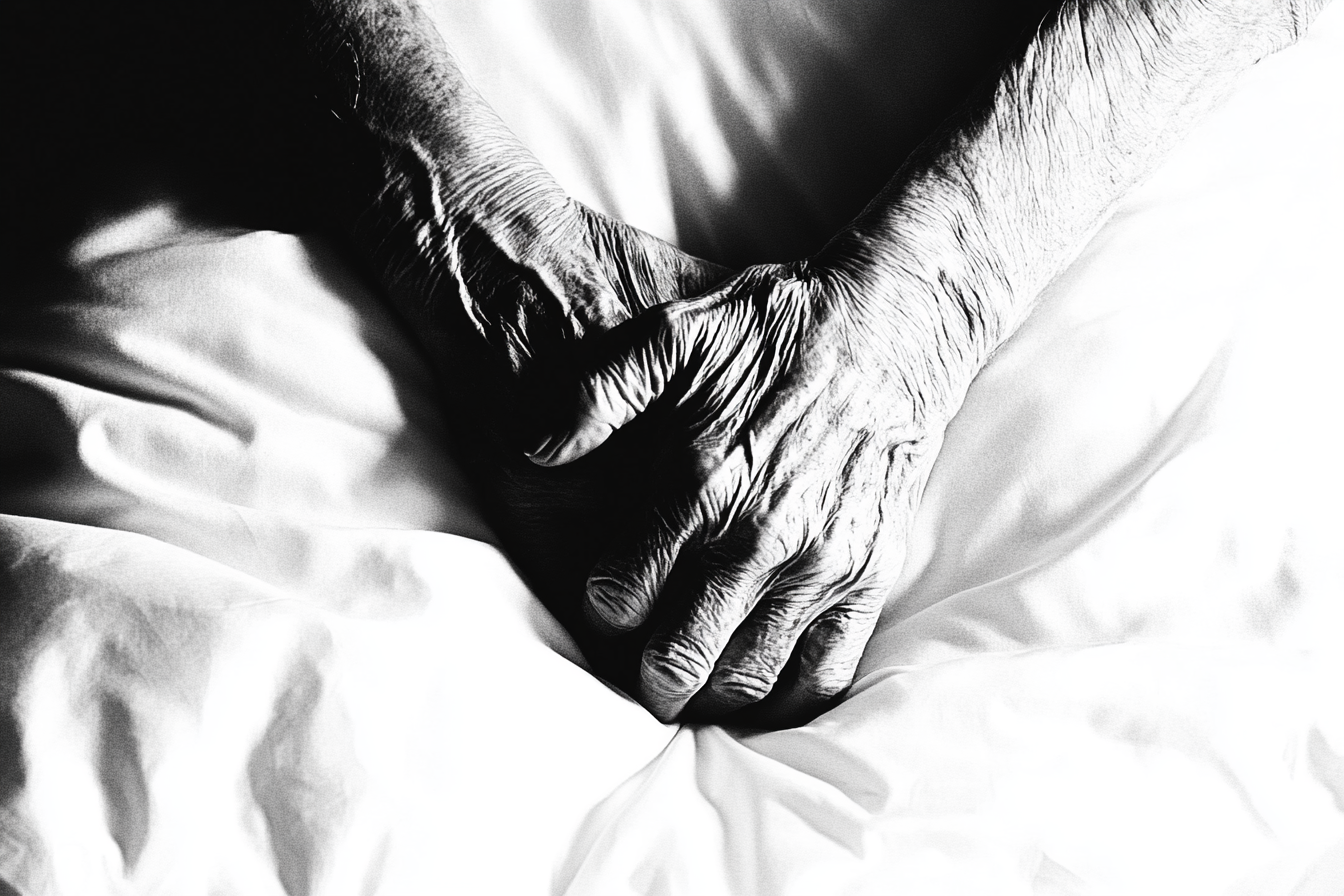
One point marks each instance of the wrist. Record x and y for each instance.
(524, 270)
(920, 277)
(478, 228)
(930, 336)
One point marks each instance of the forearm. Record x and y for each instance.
(981, 218)
(462, 225)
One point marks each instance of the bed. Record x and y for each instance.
(257, 638)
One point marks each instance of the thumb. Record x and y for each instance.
(637, 362)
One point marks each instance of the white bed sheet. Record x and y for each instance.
(257, 641)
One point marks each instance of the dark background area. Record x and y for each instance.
(110, 105)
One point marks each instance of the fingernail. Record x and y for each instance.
(606, 607)
(543, 452)
(538, 446)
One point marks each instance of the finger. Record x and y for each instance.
(642, 357)
(830, 649)
(677, 662)
(731, 576)
(829, 653)
(625, 584)
(758, 651)
(752, 663)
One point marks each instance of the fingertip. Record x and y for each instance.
(664, 712)
(665, 708)
(664, 689)
(830, 651)
(543, 450)
(556, 450)
(546, 458)
(609, 607)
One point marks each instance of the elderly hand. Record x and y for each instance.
(813, 397)
(813, 414)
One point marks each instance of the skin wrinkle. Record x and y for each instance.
(641, 270)
(828, 659)
(680, 668)
(917, 318)
(725, 489)
(747, 671)
(484, 195)
(768, 417)
(869, 346)
(623, 585)
(1081, 34)
(729, 602)
(738, 368)
(790, 576)
(757, 652)
(623, 271)
(673, 529)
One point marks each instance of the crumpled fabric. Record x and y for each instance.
(256, 639)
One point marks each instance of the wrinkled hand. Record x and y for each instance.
(810, 435)
(535, 285)
(535, 306)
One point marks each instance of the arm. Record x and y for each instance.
(814, 396)
(989, 211)
(462, 225)
(499, 274)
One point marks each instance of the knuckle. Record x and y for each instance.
(668, 528)
(807, 586)
(761, 542)
(775, 536)
(860, 610)
(780, 618)
(720, 469)
(677, 324)
(724, 585)
(847, 574)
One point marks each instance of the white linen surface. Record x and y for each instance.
(256, 640)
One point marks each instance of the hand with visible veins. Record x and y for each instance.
(811, 397)
(476, 243)
(809, 435)
(815, 396)
(502, 277)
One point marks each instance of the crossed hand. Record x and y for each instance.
(784, 500)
